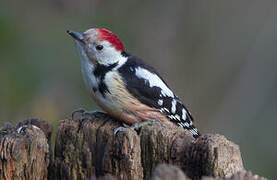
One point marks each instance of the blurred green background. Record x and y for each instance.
(220, 57)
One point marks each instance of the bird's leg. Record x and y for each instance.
(138, 125)
(135, 126)
(85, 113)
(95, 113)
(79, 110)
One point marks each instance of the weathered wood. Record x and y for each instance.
(163, 144)
(213, 155)
(87, 148)
(24, 153)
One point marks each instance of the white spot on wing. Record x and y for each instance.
(164, 109)
(186, 124)
(160, 102)
(153, 80)
(184, 114)
(177, 117)
(193, 131)
(173, 106)
(172, 117)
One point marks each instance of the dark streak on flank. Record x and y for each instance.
(100, 71)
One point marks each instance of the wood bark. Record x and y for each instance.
(87, 148)
(24, 152)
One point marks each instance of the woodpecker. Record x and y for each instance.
(125, 86)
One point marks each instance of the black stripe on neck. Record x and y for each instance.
(101, 70)
(125, 54)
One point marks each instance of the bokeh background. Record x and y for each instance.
(220, 57)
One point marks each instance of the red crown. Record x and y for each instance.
(107, 35)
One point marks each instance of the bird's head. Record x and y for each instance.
(99, 46)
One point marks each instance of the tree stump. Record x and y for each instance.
(88, 148)
(24, 153)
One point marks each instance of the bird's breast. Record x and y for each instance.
(119, 103)
(116, 92)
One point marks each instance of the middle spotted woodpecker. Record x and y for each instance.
(125, 86)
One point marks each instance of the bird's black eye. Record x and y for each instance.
(99, 47)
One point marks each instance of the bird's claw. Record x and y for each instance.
(86, 115)
(79, 110)
(82, 118)
(135, 126)
(119, 129)
(138, 125)
(95, 113)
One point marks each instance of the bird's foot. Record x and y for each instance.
(86, 115)
(135, 126)
(95, 113)
(79, 110)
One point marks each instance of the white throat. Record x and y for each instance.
(87, 67)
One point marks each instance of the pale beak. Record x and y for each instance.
(76, 35)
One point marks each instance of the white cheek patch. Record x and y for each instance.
(154, 80)
(108, 55)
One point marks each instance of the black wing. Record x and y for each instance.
(154, 92)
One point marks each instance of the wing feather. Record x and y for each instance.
(144, 83)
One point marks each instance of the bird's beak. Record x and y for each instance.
(76, 35)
